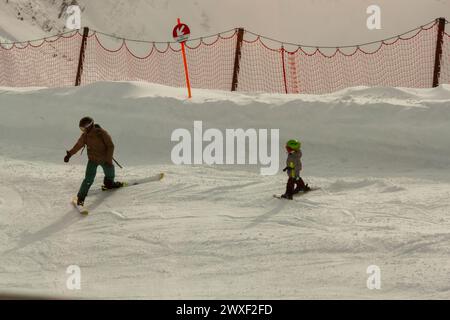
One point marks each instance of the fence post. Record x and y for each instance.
(438, 55)
(284, 69)
(237, 58)
(81, 58)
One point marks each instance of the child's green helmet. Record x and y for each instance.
(293, 144)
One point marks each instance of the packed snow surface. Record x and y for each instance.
(380, 156)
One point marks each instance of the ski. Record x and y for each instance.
(278, 196)
(81, 209)
(157, 177)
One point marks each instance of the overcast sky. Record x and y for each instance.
(317, 22)
(314, 22)
(329, 22)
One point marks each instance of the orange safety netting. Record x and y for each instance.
(400, 63)
(44, 63)
(445, 65)
(265, 65)
(210, 62)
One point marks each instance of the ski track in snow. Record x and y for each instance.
(217, 232)
(174, 236)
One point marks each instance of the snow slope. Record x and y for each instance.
(380, 156)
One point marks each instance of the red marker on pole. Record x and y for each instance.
(181, 33)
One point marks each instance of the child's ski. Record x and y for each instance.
(278, 196)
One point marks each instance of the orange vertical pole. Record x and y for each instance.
(186, 70)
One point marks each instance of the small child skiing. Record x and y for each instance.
(100, 150)
(295, 183)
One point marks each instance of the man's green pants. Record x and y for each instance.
(91, 171)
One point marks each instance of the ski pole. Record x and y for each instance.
(118, 163)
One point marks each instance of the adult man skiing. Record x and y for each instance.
(100, 150)
(295, 183)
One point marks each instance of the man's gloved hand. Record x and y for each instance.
(285, 169)
(67, 157)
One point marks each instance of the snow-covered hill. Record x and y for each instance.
(380, 156)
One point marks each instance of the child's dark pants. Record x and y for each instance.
(294, 186)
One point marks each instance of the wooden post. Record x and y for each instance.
(237, 59)
(81, 57)
(438, 55)
(284, 69)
